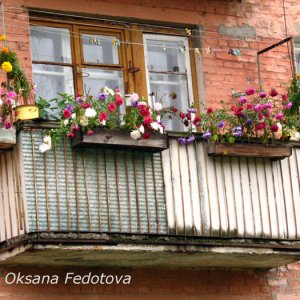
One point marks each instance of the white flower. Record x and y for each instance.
(90, 113)
(135, 134)
(103, 122)
(66, 122)
(158, 118)
(107, 90)
(142, 103)
(155, 125)
(84, 121)
(193, 117)
(157, 106)
(73, 116)
(142, 129)
(134, 97)
(161, 129)
(47, 140)
(46, 145)
(13, 103)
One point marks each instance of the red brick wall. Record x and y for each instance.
(277, 284)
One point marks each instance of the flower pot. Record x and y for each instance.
(26, 112)
(7, 138)
(120, 139)
(272, 151)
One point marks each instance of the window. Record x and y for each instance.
(69, 58)
(297, 54)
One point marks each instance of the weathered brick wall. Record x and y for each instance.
(277, 284)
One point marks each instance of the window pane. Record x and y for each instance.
(297, 54)
(99, 78)
(50, 44)
(162, 86)
(51, 80)
(99, 49)
(165, 56)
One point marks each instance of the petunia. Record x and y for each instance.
(190, 139)
(148, 120)
(70, 107)
(192, 110)
(197, 121)
(279, 116)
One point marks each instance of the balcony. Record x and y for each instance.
(127, 208)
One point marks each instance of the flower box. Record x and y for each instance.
(7, 138)
(26, 112)
(272, 151)
(120, 139)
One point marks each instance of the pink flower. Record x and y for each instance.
(258, 108)
(250, 91)
(243, 100)
(70, 135)
(67, 114)
(7, 125)
(103, 116)
(119, 100)
(111, 107)
(8, 101)
(86, 105)
(262, 94)
(75, 128)
(288, 106)
(11, 95)
(279, 116)
(90, 132)
(148, 120)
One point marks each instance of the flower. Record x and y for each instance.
(258, 108)
(182, 141)
(90, 113)
(174, 109)
(154, 125)
(90, 132)
(243, 100)
(192, 110)
(75, 128)
(221, 124)
(157, 106)
(111, 107)
(70, 135)
(262, 94)
(119, 100)
(70, 107)
(46, 145)
(249, 122)
(284, 97)
(206, 135)
(273, 93)
(79, 100)
(196, 121)
(279, 116)
(146, 135)
(237, 133)
(142, 129)
(134, 97)
(7, 125)
(84, 121)
(102, 96)
(274, 128)
(134, 103)
(3, 38)
(135, 134)
(67, 113)
(250, 91)
(190, 139)
(209, 110)
(103, 116)
(107, 90)
(148, 120)
(288, 106)
(182, 115)
(141, 104)
(7, 67)
(5, 50)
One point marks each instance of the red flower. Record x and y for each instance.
(274, 128)
(186, 123)
(111, 107)
(174, 109)
(273, 93)
(260, 116)
(103, 116)
(284, 97)
(249, 106)
(7, 125)
(119, 100)
(148, 120)
(182, 115)
(240, 108)
(260, 126)
(86, 105)
(146, 135)
(67, 114)
(90, 132)
(75, 128)
(233, 108)
(70, 135)
(145, 112)
(196, 121)
(209, 110)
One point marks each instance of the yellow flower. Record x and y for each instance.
(7, 67)
(3, 38)
(298, 76)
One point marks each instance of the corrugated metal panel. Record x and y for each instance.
(241, 197)
(12, 213)
(92, 189)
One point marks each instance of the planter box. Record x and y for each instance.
(120, 139)
(26, 112)
(7, 138)
(272, 151)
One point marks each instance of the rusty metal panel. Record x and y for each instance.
(92, 190)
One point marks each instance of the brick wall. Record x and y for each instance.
(277, 284)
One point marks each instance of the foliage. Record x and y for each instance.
(294, 95)
(7, 103)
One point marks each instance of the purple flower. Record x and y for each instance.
(249, 122)
(191, 110)
(182, 141)
(238, 128)
(134, 103)
(190, 139)
(242, 115)
(243, 100)
(69, 107)
(206, 135)
(237, 133)
(221, 124)
(102, 96)
(79, 100)
(262, 94)
(250, 91)
(288, 106)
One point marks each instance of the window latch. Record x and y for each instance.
(133, 70)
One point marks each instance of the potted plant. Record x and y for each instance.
(90, 121)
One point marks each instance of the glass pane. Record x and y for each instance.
(297, 54)
(162, 86)
(50, 44)
(99, 49)
(99, 78)
(165, 56)
(51, 80)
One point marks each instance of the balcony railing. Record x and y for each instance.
(180, 193)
